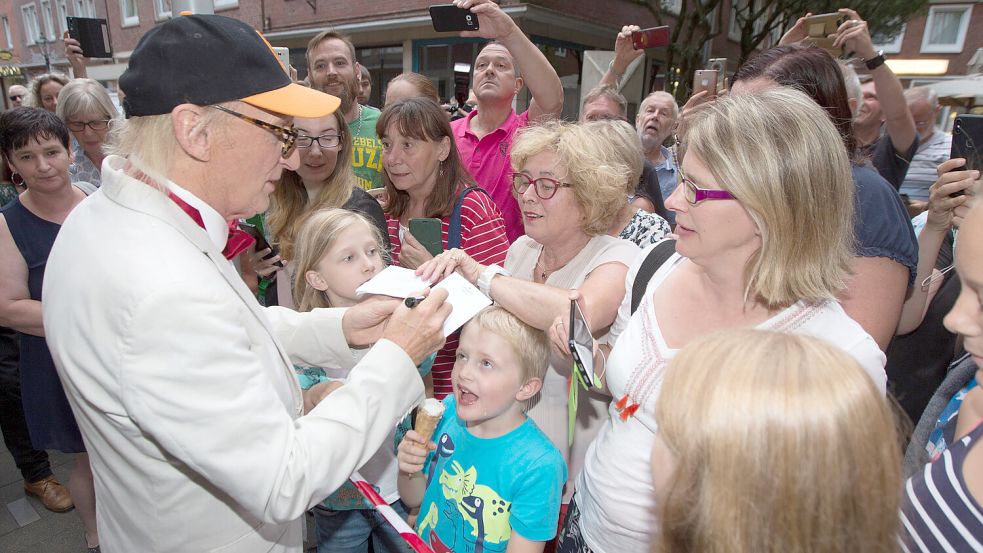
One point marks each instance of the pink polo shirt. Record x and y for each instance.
(489, 163)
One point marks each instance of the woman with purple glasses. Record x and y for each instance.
(756, 246)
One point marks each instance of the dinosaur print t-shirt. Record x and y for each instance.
(480, 490)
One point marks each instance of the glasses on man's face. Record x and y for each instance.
(97, 125)
(16, 98)
(287, 135)
(694, 194)
(545, 187)
(325, 141)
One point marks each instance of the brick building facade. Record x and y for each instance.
(393, 36)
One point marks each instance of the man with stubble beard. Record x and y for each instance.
(333, 69)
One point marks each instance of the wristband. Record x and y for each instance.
(485, 280)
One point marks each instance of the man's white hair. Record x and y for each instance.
(912, 95)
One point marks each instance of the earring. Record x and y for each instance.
(440, 170)
(17, 180)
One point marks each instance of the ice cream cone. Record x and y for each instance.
(427, 417)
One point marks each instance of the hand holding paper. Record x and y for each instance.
(399, 282)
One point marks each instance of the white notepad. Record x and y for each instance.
(399, 282)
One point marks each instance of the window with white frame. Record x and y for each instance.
(162, 9)
(62, 16)
(32, 32)
(49, 20)
(85, 8)
(889, 44)
(8, 39)
(945, 28)
(128, 12)
(226, 4)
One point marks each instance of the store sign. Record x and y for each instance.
(9, 71)
(5, 55)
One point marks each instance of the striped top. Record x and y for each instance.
(939, 513)
(922, 169)
(483, 238)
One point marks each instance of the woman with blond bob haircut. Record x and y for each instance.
(794, 180)
(776, 443)
(569, 183)
(631, 223)
(763, 240)
(598, 183)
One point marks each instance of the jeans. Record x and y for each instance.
(33, 464)
(349, 531)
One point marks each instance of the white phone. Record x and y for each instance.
(283, 54)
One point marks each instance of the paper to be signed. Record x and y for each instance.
(399, 282)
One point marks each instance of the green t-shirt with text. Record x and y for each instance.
(366, 149)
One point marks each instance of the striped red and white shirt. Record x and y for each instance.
(483, 238)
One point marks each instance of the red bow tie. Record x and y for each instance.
(238, 240)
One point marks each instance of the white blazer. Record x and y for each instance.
(183, 387)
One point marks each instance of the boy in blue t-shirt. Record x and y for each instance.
(493, 481)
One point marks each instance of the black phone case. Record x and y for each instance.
(967, 137)
(93, 36)
(448, 18)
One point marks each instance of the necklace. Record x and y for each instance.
(541, 268)
(358, 120)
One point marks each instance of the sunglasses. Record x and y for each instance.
(16, 98)
(286, 135)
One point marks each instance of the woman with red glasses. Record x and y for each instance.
(569, 192)
(757, 246)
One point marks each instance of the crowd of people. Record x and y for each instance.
(179, 304)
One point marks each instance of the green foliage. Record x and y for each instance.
(757, 20)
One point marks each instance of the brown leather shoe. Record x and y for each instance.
(52, 494)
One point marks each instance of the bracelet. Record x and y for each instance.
(617, 76)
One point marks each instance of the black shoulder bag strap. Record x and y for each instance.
(655, 259)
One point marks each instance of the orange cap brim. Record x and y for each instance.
(295, 100)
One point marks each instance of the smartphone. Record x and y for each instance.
(705, 79)
(92, 34)
(427, 232)
(820, 27)
(261, 243)
(581, 343)
(967, 137)
(824, 24)
(650, 38)
(448, 18)
(283, 54)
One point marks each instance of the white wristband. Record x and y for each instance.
(485, 280)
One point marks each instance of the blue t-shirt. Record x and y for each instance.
(882, 226)
(479, 490)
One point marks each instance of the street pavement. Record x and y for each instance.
(25, 525)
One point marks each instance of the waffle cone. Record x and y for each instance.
(425, 425)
